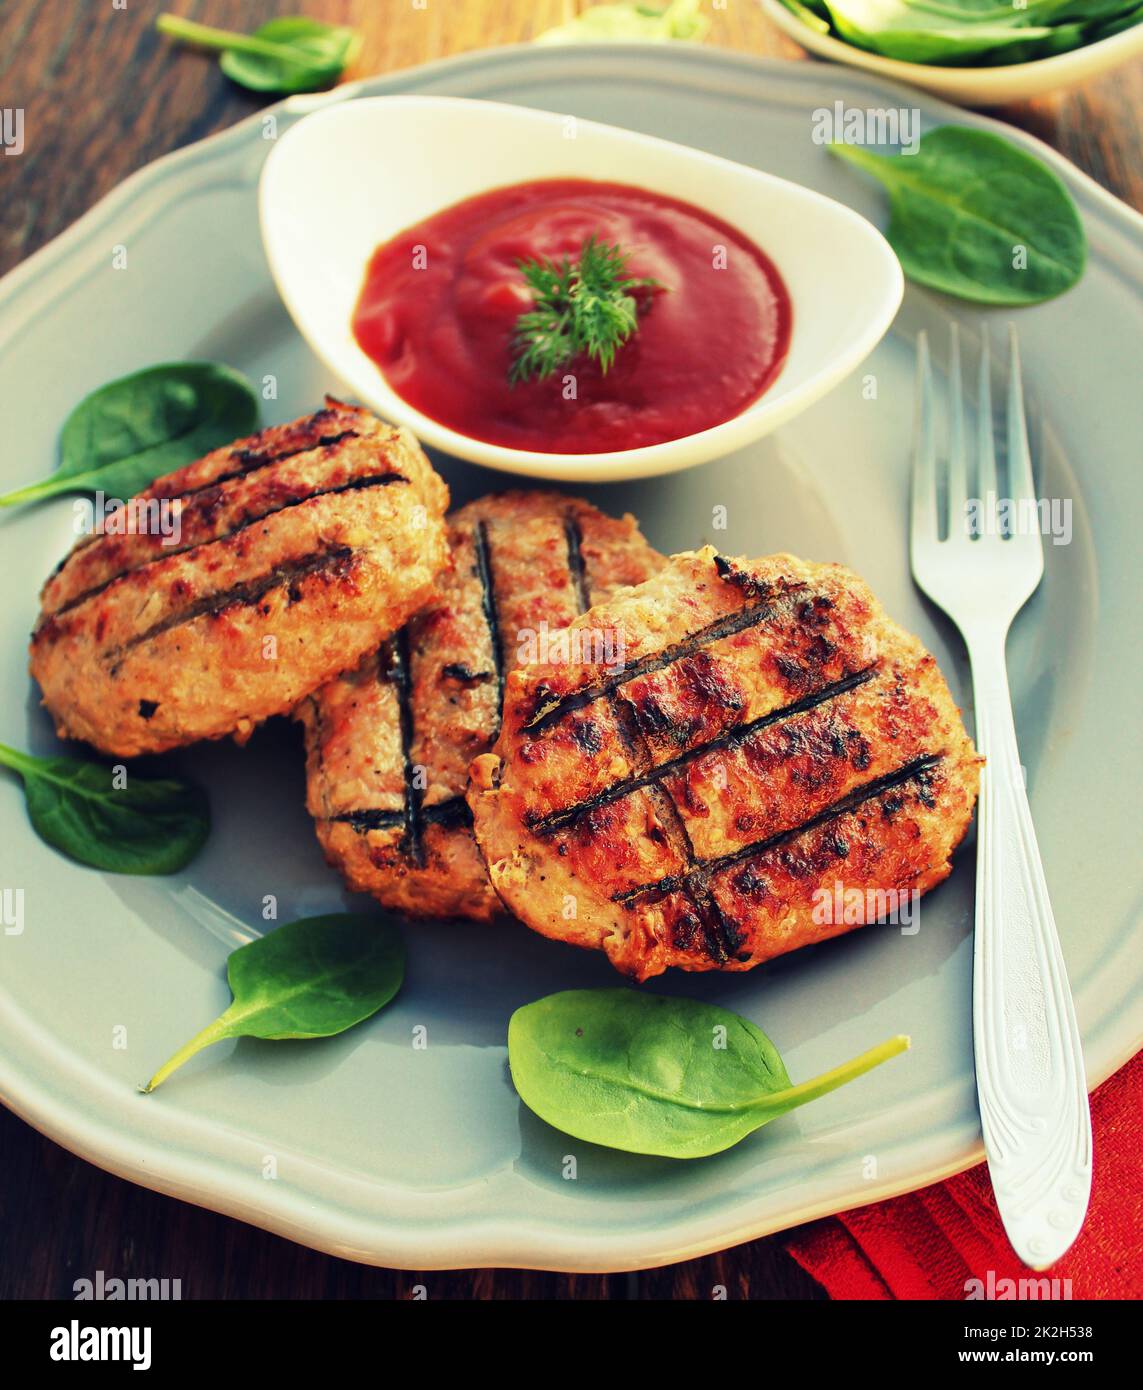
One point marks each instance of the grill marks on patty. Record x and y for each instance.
(395, 666)
(333, 424)
(325, 428)
(298, 549)
(215, 536)
(270, 506)
(559, 820)
(699, 872)
(215, 503)
(551, 708)
(710, 690)
(252, 461)
(491, 616)
(391, 812)
(668, 786)
(452, 812)
(773, 726)
(719, 936)
(677, 804)
(336, 563)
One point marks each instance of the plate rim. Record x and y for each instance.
(206, 1178)
(21, 275)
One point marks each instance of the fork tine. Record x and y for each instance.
(957, 487)
(985, 447)
(1020, 481)
(924, 489)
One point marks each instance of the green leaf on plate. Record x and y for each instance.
(128, 433)
(120, 822)
(647, 1074)
(976, 217)
(307, 979)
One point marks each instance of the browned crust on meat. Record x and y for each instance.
(301, 548)
(389, 745)
(771, 736)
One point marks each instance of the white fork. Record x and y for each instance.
(1029, 1064)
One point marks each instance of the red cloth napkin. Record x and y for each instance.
(928, 1244)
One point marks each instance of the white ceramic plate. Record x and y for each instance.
(321, 222)
(425, 1158)
(981, 86)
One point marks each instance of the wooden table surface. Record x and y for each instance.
(103, 95)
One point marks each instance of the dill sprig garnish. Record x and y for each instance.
(585, 306)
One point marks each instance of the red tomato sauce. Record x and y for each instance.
(438, 310)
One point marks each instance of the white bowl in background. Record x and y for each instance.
(971, 86)
(349, 177)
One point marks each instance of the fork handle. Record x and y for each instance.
(1029, 1062)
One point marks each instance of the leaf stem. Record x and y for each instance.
(212, 1033)
(28, 763)
(794, 1096)
(23, 763)
(807, 16)
(228, 41)
(857, 154)
(30, 493)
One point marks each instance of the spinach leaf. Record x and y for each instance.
(1089, 11)
(897, 29)
(976, 32)
(308, 979)
(144, 826)
(141, 427)
(964, 204)
(287, 54)
(1117, 23)
(809, 17)
(652, 1075)
(1032, 13)
(1038, 43)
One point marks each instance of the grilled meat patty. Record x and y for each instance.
(772, 737)
(296, 551)
(389, 744)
